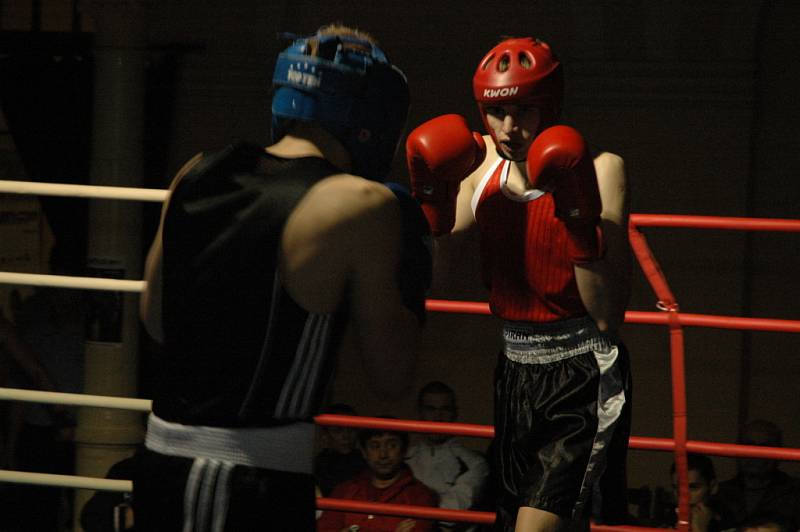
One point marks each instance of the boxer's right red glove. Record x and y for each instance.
(440, 154)
(559, 160)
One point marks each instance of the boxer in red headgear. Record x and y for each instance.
(552, 218)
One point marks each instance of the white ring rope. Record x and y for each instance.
(65, 481)
(89, 283)
(68, 281)
(75, 399)
(83, 191)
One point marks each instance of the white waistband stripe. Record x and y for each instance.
(529, 343)
(283, 448)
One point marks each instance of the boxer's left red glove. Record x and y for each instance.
(559, 161)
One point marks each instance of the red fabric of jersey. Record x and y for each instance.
(524, 256)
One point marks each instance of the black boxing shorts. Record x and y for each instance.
(173, 494)
(216, 479)
(561, 415)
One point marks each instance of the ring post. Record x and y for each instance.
(105, 436)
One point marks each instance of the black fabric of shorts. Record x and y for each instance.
(545, 426)
(259, 499)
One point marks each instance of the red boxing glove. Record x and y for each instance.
(440, 154)
(559, 161)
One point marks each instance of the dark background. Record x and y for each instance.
(698, 97)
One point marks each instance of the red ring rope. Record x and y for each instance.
(675, 320)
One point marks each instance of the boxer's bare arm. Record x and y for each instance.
(343, 240)
(604, 285)
(150, 299)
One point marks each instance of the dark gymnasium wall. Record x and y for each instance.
(697, 96)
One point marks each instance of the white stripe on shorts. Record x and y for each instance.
(610, 400)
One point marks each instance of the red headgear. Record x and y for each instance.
(520, 71)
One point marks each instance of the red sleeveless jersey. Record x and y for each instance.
(524, 252)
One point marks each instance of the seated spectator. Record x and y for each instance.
(455, 472)
(43, 350)
(340, 458)
(760, 488)
(765, 523)
(111, 511)
(386, 480)
(706, 515)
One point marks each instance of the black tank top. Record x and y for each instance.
(238, 351)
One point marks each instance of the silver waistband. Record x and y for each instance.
(543, 343)
(284, 448)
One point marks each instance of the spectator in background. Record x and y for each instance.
(46, 348)
(760, 488)
(455, 472)
(18, 359)
(706, 515)
(19, 366)
(111, 511)
(765, 523)
(387, 480)
(340, 459)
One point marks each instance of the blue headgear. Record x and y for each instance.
(356, 95)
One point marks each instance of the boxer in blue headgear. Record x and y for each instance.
(347, 85)
(263, 257)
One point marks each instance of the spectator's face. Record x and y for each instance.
(758, 467)
(700, 489)
(437, 407)
(768, 527)
(341, 439)
(384, 455)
